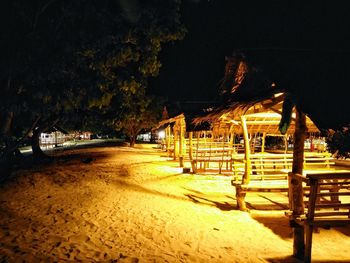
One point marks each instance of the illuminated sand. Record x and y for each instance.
(135, 205)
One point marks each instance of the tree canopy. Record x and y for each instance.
(71, 61)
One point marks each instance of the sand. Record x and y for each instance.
(121, 204)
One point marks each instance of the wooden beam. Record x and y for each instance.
(248, 168)
(190, 142)
(168, 138)
(182, 141)
(176, 148)
(263, 142)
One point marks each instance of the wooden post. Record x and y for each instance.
(176, 150)
(285, 140)
(190, 142)
(193, 161)
(248, 168)
(231, 134)
(181, 141)
(184, 146)
(263, 142)
(167, 138)
(296, 188)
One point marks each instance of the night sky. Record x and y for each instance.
(192, 68)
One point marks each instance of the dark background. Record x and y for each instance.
(192, 68)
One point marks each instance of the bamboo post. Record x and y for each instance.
(167, 138)
(231, 136)
(184, 146)
(190, 145)
(190, 151)
(263, 142)
(295, 186)
(233, 149)
(285, 141)
(246, 177)
(181, 141)
(190, 142)
(176, 150)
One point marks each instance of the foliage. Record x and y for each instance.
(77, 61)
(339, 143)
(287, 109)
(138, 113)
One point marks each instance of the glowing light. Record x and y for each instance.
(161, 135)
(278, 94)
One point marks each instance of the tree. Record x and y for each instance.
(64, 59)
(138, 112)
(338, 142)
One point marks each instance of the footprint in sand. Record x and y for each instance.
(91, 226)
(79, 247)
(79, 238)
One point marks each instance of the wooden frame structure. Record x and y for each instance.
(327, 202)
(263, 117)
(254, 119)
(175, 130)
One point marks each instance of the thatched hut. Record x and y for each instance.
(175, 129)
(314, 83)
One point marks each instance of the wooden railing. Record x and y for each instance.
(269, 172)
(327, 204)
(213, 156)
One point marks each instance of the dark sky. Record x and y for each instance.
(192, 68)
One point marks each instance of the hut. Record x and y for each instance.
(256, 75)
(251, 125)
(174, 140)
(53, 137)
(179, 132)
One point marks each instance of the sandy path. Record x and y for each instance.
(134, 205)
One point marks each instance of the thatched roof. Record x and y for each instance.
(170, 120)
(189, 110)
(203, 126)
(264, 116)
(316, 81)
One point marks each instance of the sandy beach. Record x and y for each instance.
(121, 204)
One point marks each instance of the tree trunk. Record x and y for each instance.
(6, 160)
(132, 140)
(6, 128)
(15, 145)
(38, 154)
(297, 188)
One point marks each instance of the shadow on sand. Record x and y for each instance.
(278, 225)
(291, 259)
(224, 206)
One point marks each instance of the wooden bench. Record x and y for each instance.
(269, 172)
(318, 160)
(202, 158)
(327, 203)
(272, 166)
(265, 164)
(212, 156)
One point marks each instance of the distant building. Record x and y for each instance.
(82, 135)
(145, 137)
(54, 137)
